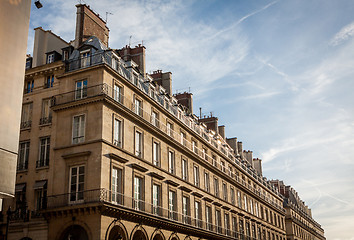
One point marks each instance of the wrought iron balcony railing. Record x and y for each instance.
(140, 207)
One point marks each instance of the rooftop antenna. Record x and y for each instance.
(130, 39)
(107, 15)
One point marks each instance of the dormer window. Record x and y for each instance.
(85, 58)
(50, 58)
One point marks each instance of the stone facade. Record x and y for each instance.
(118, 158)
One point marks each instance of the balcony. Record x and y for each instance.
(136, 207)
(45, 120)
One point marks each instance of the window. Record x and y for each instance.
(29, 86)
(208, 218)
(224, 189)
(80, 89)
(79, 129)
(198, 213)
(117, 93)
(206, 182)
(156, 196)
(245, 202)
(155, 119)
(49, 81)
(171, 162)
(194, 146)
(204, 154)
(196, 175)
(251, 206)
(239, 201)
(185, 209)
(218, 220)
(234, 227)
(241, 229)
(156, 153)
(138, 193)
(44, 150)
(20, 197)
(22, 163)
(117, 183)
(248, 231)
(26, 117)
(230, 171)
(215, 163)
(227, 223)
(138, 143)
(28, 63)
(216, 187)
(138, 107)
(46, 117)
(85, 58)
(117, 132)
(183, 138)
(77, 181)
(40, 192)
(65, 55)
(172, 204)
(184, 170)
(223, 166)
(169, 129)
(50, 58)
(232, 193)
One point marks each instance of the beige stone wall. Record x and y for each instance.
(13, 36)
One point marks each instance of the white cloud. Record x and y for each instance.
(344, 34)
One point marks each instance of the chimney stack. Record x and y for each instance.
(163, 79)
(222, 131)
(136, 54)
(89, 23)
(248, 155)
(233, 144)
(210, 122)
(186, 100)
(257, 164)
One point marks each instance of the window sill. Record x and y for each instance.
(42, 168)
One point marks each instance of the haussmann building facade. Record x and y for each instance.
(107, 151)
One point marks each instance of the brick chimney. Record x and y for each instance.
(232, 143)
(221, 130)
(248, 156)
(163, 79)
(89, 23)
(185, 99)
(136, 54)
(211, 123)
(257, 164)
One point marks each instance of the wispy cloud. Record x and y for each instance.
(344, 34)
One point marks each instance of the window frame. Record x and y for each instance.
(80, 127)
(76, 192)
(46, 155)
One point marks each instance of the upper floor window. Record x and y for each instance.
(46, 117)
(185, 209)
(224, 189)
(216, 187)
(138, 144)
(194, 146)
(156, 199)
(227, 223)
(172, 204)
(155, 119)
(117, 185)
(206, 182)
(24, 148)
(117, 94)
(245, 202)
(204, 154)
(196, 175)
(26, 117)
(76, 183)
(171, 162)
(223, 166)
(232, 193)
(183, 138)
(50, 58)
(138, 107)
(49, 81)
(169, 129)
(78, 129)
(156, 153)
(198, 213)
(85, 58)
(218, 220)
(117, 134)
(184, 170)
(29, 86)
(28, 63)
(208, 217)
(81, 89)
(138, 193)
(215, 162)
(44, 151)
(239, 200)
(251, 206)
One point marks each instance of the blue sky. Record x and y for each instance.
(278, 74)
